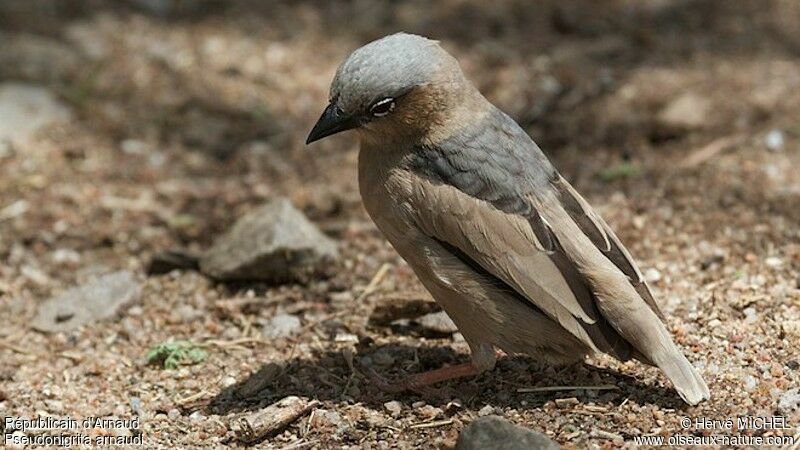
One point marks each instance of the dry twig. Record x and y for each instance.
(254, 427)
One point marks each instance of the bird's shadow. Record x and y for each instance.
(328, 377)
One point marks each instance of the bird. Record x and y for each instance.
(514, 255)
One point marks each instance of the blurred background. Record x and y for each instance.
(132, 127)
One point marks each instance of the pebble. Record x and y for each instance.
(25, 109)
(791, 327)
(173, 413)
(325, 417)
(750, 315)
(487, 432)
(652, 275)
(688, 111)
(394, 407)
(66, 256)
(773, 261)
(750, 383)
(281, 326)
(486, 410)
(775, 140)
(790, 401)
(227, 381)
(99, 299)
(438, 322)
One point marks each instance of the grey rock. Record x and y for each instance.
(790, 401)
(438, 322)
(281, 326)
(274, 243)
(497, 433)
(101, 298)
(26, 109)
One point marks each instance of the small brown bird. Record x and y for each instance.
(514, 255)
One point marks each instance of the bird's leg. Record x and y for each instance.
(420, 382)
(483, 359)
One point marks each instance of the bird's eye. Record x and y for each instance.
(382, 107)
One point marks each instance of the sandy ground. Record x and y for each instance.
(667, 115)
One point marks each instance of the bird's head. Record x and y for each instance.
(399, 85)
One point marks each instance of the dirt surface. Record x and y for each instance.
(678, 120)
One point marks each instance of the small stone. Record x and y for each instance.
(273, 243)
(197, 416)
(750, 315)
(323, 417)
(688, 111)
(652, 275)
(773, 261)
(486, 410)
(133, 146)
(184, 314)
(791, 328)
(750, 383)
(394, 407)
(26, 109)
(438, 322)
(490, 431)
(428, 412)
(14, 209)
(66, 256)
(227, 381)
(775, 140)
(136, 405)
(99, 299)
(790, 401)
(281, 326)
(173, 413)
(346, 338)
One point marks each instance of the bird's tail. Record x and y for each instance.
(682, 374)
(653, 345)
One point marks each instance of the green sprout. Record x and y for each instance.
(622, 170)
(170, 355)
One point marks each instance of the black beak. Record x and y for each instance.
(332, 121)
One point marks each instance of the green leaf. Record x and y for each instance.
(171, 355)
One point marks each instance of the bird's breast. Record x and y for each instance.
(385, 186)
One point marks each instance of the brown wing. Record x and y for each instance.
(603, 237)
(508, 246)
